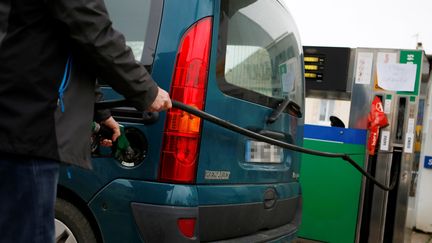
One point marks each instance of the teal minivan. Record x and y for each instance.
(191, 180)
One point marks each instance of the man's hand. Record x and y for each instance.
(111, 123)
(162, 101)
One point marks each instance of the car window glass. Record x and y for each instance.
(259, 52)
(131, 17)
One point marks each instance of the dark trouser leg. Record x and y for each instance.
(27, 196)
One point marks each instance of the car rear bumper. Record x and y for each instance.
(249, 222)
(143, 211)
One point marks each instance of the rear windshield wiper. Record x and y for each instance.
(293, 109)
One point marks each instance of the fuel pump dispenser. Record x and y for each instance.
(376, 92)
(394, 76)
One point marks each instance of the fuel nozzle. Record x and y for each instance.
(121, 148)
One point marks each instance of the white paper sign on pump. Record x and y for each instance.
(397, 76)
(364, 68)
(386, 57)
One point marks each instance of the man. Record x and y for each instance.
(51, 52)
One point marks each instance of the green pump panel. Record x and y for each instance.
(331, 187)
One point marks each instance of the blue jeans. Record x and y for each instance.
(28, 188)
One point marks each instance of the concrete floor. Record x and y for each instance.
(417, 237)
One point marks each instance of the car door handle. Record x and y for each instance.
(129, 114)
(123, 112)
(276, 135)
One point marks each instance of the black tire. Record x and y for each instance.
(75, 221)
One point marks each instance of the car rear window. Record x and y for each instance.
(259, 53)
(139, 21)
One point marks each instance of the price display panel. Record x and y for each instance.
(326, 68)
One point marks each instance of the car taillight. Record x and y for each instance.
(182, 132)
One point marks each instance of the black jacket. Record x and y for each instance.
(37, 37)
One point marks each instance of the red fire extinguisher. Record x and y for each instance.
(376, 120)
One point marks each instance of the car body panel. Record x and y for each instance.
(109, 189)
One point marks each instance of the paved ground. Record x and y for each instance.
(416, 237)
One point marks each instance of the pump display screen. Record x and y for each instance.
(326, 68)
